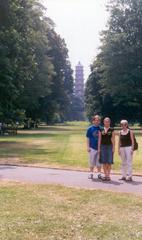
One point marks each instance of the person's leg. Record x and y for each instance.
(107, 158)
(108, 171)
(129, 158)
(90, 176)
(102, 161)
(105, 169)
(98, 165)
(91, 162)
(124, 163)
(110, 160)
(99, 170)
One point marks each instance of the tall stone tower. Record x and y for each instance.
(79, 81)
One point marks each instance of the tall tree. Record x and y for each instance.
(62, 82)
(93, 95)
(34, 64)
(120, 58)
(17, 61)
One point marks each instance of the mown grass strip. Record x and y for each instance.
(56, 146)
(29, 212)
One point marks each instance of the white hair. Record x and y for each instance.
(124, 122)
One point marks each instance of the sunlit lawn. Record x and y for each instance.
(38, 212)
(46, 212)
(55, 146)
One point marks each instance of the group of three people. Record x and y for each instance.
(101, 148)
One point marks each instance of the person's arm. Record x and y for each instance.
(99, 141)
(119, 143)
(113, 141)
(88, 140)
(88, 144)
(132, 140)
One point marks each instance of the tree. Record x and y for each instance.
(17, 61)
(119, 60)
(93, 95)
(62, 81)
(35, 72)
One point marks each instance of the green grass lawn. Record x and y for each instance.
(56, 146)
(39, 212)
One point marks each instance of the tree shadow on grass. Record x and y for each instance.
(60, 129)
(30, 135)
(41, 151)
(36, 135)
(2, 167)
(21, 156)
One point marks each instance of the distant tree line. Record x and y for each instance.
(35, 72)
(114, 87)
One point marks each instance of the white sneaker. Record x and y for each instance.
(129, 179)
(99, 176)
(90, 176)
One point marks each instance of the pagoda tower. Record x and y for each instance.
(79, 81)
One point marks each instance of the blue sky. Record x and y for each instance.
(79, 22)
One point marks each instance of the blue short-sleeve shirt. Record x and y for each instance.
(93, 134)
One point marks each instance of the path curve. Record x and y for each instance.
(68, 178)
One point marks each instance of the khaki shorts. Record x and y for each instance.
(94, 158)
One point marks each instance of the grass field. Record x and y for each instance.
(47, 212)
(56, 146)
(35, 212)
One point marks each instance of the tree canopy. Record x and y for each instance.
(35, 71)
(114, 87)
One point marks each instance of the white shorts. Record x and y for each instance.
(94, 158)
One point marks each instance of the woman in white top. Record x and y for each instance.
(125, 150)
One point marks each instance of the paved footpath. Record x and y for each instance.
(68, 178)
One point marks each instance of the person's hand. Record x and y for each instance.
(88, 149)
(132, 151)
(113, 150)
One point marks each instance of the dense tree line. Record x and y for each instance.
(35, 72)
(114, 87)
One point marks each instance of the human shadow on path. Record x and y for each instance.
(134, 183)
(112, 182)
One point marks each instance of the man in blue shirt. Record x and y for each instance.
(93, 137)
